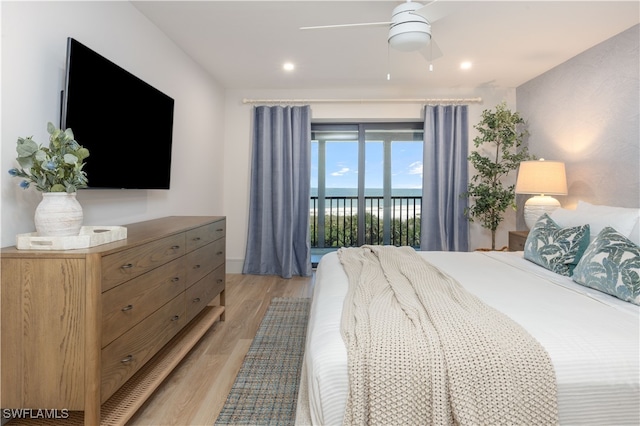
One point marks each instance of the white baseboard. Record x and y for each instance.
(234, 266)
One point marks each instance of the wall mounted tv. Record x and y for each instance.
(125, 123)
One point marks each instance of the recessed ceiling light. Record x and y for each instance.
(288, 66)
(465, 65)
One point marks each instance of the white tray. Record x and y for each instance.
(89, 236)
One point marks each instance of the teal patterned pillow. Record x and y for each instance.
(554, 248)
(611, 264)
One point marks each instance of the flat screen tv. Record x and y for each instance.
(125, 123)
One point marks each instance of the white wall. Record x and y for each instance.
(585, 112)
(33, 63)
(238, 117)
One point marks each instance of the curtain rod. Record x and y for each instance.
(356, 101)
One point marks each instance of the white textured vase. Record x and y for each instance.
(59, 214)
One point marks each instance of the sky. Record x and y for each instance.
(342, 164)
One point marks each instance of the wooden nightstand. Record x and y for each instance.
(517, 240)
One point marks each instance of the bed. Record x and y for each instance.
(591, 337)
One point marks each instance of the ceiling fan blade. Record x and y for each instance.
(366, 24)
(432, 51)
(423, 10)
(426, 12)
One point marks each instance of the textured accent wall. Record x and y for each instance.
(585, 112)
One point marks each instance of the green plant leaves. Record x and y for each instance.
(26, 147)
(70, 159)
(501, 136)
(56, 168)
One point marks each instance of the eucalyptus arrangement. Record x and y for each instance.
(56, 168)
(502, 134)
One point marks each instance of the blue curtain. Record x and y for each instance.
(278, 240)
(445, 176)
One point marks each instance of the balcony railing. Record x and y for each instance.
(397, 223)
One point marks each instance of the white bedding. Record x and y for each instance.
(592, 338)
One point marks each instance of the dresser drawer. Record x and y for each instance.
(122, 266)
(203, 235)
(201, 293)
(204, 260)
(127, 304)
(517, 239)
(125, 355)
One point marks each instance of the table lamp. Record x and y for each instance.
(542, 178)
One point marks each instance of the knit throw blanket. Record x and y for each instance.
(424, 351)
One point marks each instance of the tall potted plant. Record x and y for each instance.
(501, 137)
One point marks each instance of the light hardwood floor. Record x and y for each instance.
(196, 390)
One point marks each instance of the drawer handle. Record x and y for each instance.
(127, 266)
(175, 247)
(196, 239)
(175, 279)
(219, 229)
(127, 359)
(219, 280)
(175, 318)
(127, 308)
(219, 253)
(196, 300)
(196, 267)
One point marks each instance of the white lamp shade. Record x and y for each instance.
(541, 177)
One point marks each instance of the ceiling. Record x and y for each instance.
(243, 44)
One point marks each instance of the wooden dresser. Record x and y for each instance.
(95, 331)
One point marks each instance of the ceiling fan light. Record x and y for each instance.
(409, 41)
(408, 31)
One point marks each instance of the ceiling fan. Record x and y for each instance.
(409, 29)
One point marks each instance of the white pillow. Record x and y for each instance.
(622, 219)
(566, 218)
(635, 233)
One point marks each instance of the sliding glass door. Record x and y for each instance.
(366, 184)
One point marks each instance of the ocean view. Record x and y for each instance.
(368, 192)
(405, 207)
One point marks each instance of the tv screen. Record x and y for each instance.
(125, 123)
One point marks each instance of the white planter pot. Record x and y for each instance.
(59, 214)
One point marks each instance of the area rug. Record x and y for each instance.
(266, 388)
